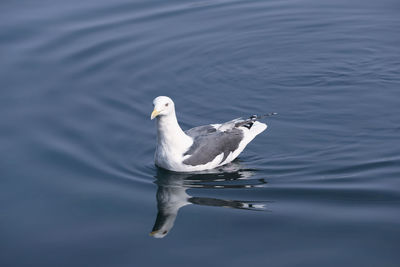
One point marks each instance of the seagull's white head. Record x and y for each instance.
(163, 106)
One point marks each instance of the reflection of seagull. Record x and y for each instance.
(171, 193)
(170, 198)
(200, 148)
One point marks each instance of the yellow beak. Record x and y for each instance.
(154, 114)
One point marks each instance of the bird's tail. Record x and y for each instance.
(248, 123)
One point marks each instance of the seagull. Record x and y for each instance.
(203, 147)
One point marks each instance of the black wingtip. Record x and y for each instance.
(255, 117)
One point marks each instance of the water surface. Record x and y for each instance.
(321, 187)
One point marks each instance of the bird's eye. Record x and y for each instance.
(166, 105)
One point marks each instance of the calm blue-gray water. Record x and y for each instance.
(320, 187)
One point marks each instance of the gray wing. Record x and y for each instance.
(208, 143)
(200, 130)
(230, 125)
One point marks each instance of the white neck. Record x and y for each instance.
(170, 135)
